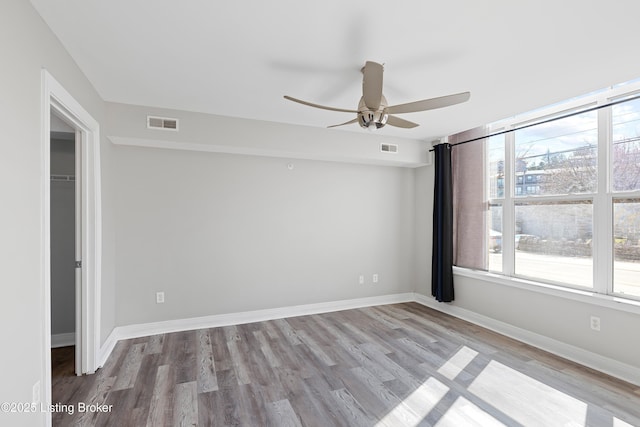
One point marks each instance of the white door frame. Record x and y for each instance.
(56, 98)
(78, 255)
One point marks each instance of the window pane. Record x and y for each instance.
(495, 148)
(553, 242)
(625, 152)
(626, 232)
(559, 157)
(494, 222)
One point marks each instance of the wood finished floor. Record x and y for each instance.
(63, 362)
(393, 365)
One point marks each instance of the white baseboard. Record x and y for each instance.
(155, 328)
(63, 340)
(106, 349)
(592, 360)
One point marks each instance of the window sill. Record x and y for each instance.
(583, 296)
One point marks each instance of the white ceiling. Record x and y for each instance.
(238, 58)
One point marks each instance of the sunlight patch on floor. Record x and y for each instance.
(420, 402)
(525, 399)
(457, 362)
(619, 423)
(465, 413)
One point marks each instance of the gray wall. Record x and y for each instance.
(423, 231)
(62, 237)
(27, 45)
(557, 318)
(221, 233)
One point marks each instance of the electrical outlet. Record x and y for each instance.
(595, 323)
(375, 278)
(361, 279)
(159, 297)
(35, 393)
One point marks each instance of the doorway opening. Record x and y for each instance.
(65, 248)
(59, 104)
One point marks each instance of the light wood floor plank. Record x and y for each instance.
(160, 410)
(353, 413)
(207, 380)
(363, 337)
(155, 344)
(238, 357)
(287, 331)
(281, 414)
(399, 413)
(265, 348)
(185, 405)
(130, 368)
(315, 348)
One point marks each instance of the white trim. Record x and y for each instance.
(107, 347)
(55, 96)
(592, 360)
(560, 291)
(508, 208)
(217, 320)
(602, 243)
(424, 160)
(78, 197)
(45, 243)
(63, 340)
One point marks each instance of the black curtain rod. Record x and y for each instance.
(575, 113)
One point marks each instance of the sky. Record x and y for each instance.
(569, 133)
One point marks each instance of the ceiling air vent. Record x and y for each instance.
(164, 123)
(389, 148)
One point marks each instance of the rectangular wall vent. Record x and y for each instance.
(164, 123)
(389, 148)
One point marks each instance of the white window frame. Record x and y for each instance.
(602, 199)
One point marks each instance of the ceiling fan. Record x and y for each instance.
(373, 111)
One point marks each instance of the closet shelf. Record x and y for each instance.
(63, 178)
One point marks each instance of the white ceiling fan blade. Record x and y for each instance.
(400, 123)
(345, 123)
(372, 85)
(429, 104)
(310, 104)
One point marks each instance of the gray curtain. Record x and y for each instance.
(469, 200)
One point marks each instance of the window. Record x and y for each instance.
(566, 192)
(557, 247)
(626, 146)
(564, 151)
(626, 248)
(625, 171)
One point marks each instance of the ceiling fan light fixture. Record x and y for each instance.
(372, 119)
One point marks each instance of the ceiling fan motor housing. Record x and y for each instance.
(370, 119)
